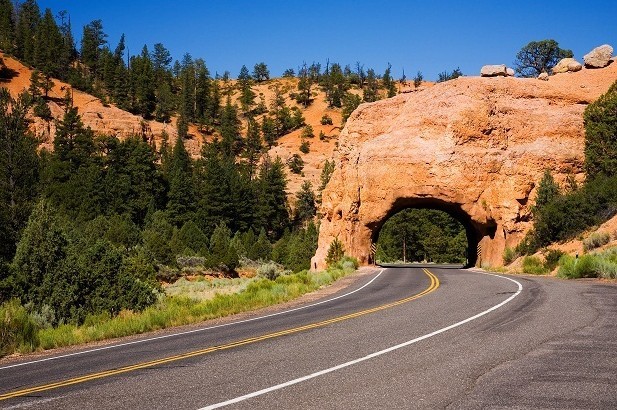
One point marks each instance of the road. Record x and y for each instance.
(396, 338)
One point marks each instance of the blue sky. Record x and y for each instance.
(427, 36)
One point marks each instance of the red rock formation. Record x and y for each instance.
(475, 147)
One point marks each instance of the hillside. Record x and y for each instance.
(106, 119)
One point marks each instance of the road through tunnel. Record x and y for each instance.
(474, 232)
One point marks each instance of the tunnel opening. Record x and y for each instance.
(437, 217)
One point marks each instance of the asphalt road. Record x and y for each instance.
(396, 338)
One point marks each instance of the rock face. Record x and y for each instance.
(495, 71)
(473, 147)
(567, 65)
(599, 57)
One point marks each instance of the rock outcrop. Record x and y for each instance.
(496, 70)
(599, 57)
(567, 65)
(474, 147)
(543, 76)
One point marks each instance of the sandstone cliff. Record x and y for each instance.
(475, 147)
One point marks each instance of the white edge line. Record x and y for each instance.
(189, 331)
(370, 356)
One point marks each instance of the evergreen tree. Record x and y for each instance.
(261, 72)
(272, 211)
(203, 98)
(305, 83)
(91, 41)
(181, 197)
(222, 254)
(48, 46)
(7, 26)
(232, 142)
(388, 82)
(268, 129)
(224, 195)
(371, 90)
(253, 147)
(68, 53)
(548, 190)
(28, 17)
(601, 135)
(132, 183)
(19, 170)
(247, 96)
(350, 103)
(187, 88)
(305, 204)
(142, 84)
(261, 249)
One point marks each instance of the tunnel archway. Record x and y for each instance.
(474, 230)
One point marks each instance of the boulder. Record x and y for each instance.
(567, 65)
(543, 77)
(494, 70)
(599, 57)
(510, 72)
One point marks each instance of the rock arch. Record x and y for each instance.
(474, 147)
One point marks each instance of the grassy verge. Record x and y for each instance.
(169, 311)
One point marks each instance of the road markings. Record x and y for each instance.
(434, 284)
(370, 356)
(191, 331)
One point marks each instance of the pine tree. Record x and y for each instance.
(203, 99)
(187, 88)
(253, 147)
(48, 45)
(350, 103)
(388, 82)
(268, 129)
(261, 72)
(142, 84)
(305, 204)
(232, 142)
(261, 249)
(371, 90)
(601, 135)
(28, 17)
(181, 196)
(19, 170)
(547, 190)
(68, 53)
(247, 96)
(272, 212)
(91, 41)
(7, 26)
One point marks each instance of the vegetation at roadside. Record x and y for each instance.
(24, 331)
(591, 265)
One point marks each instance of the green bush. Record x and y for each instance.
(305, 147)
(326, 120)
(551, 259)
(271, 270)
(509, 255)
(336, 251)
(18, 331)
(534, 266)
(592, 265)
(595, 240)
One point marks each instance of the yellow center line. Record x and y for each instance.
(93, 376)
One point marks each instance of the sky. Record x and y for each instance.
(426, 36)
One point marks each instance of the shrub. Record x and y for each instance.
(305, 147)
(509, 255)
(296, 164)
(533, 265)
(596, 240)
(271, 270)
(308, 132)
(336, 251)
(551, 259)
(18, 331)
(326, 120)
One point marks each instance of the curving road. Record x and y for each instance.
(394, 338)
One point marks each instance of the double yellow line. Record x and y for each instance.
(434, 284)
